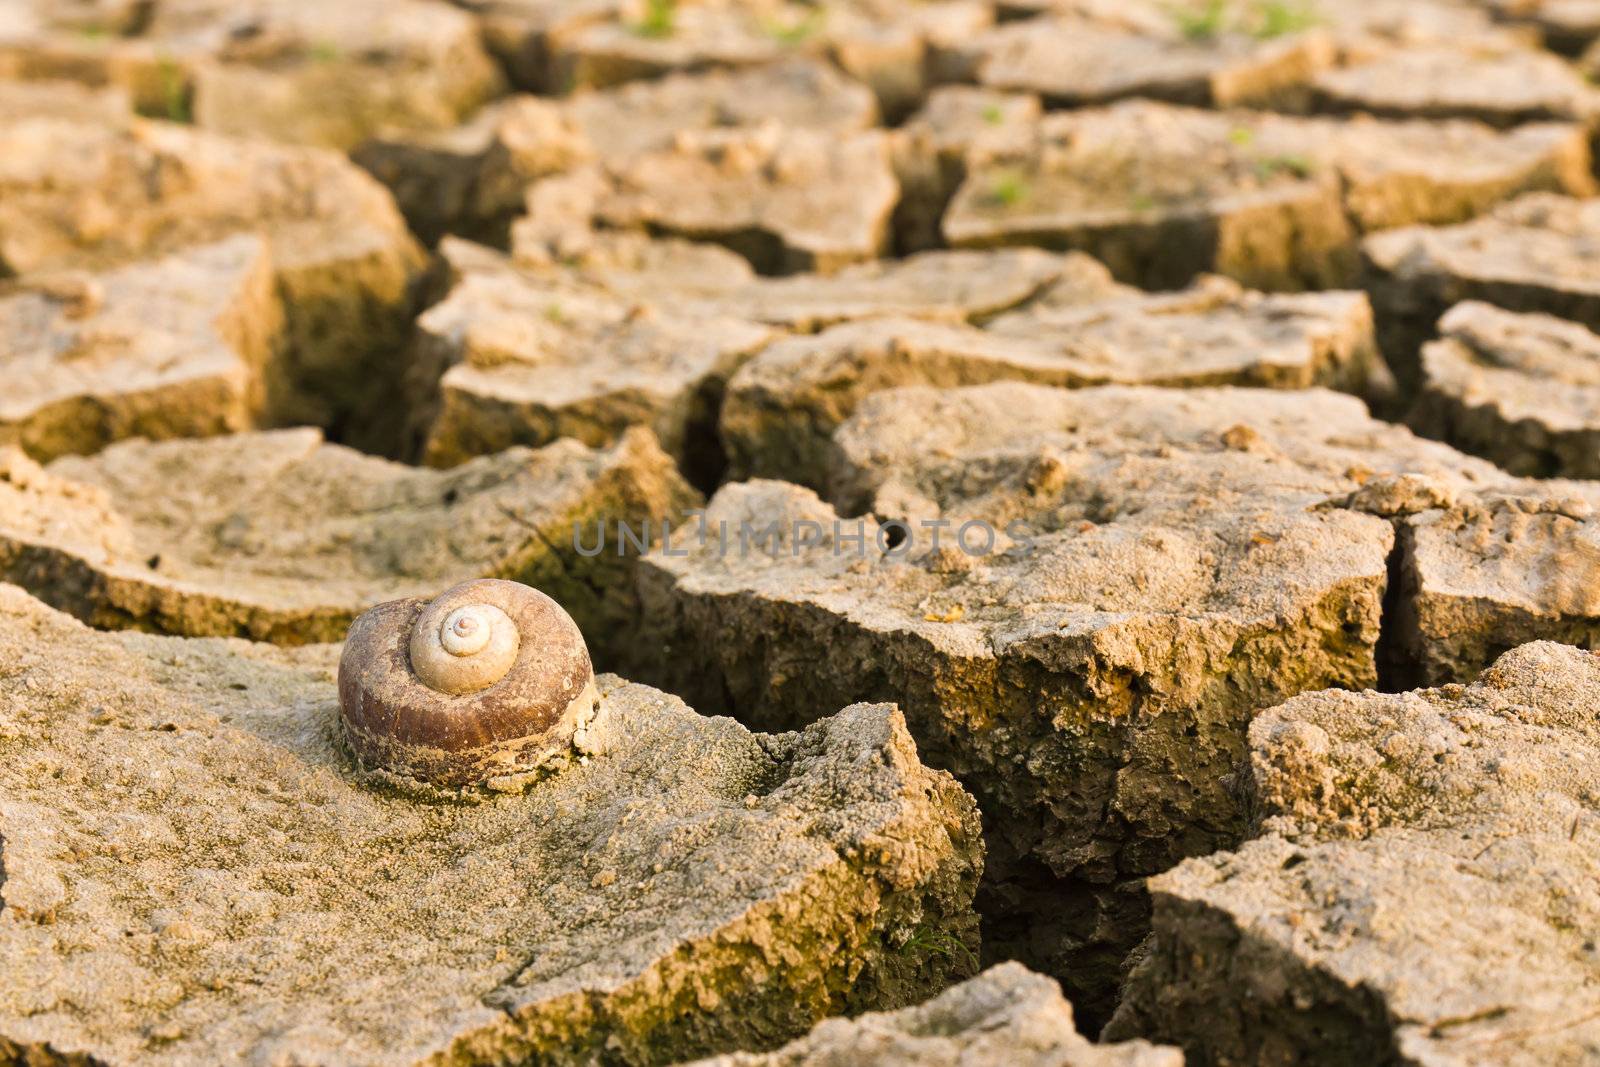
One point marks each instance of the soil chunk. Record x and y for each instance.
(1363, 23)
(1567, 26)
(1423, 888)
(959, 127)
(638, 331)
(1486, 573)
(91, 196)
(1535, 254)
(1208, 53)
(1501, 86)
(1163, 563)
(945, 286)
(472, 179)
(183, 346)
(526, 360)
(898, 48)
(1203, 55)
(788, 200)
(783, 406)
(319, 74)
(795, 93)
(326, 74)
(523, 34)
(1161, 193)
(1006, 1016)
(196, 873)
(1522, 390)
(64, 100)
(281, 537)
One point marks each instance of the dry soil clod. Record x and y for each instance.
(318, 74)
(83, 195)
(188, 345)
(471, 180)
(625, 330)
(195, 871)
(1006, 1017)
(1164, 563)
(1423, 889)
(283, 537)
(1534, 254)
(782, 407)
(788, 200)
(1162, 193)
(1520, 389)
(1498, 84)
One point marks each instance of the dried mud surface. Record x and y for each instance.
(1168, 429)
(196, 874)
(1421, 890)
(1168, 561)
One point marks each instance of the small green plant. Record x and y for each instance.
(325, 51)
(1241, 135)
(1201, 23)
(1142, 202)
(798, 31)
(927, 941)
(553, 313)
(1008, 189)
(994, 115)
(1272, 166)
(93, 32)
(174, 91)
(1277, 18)
(660, 19)
(1263, 19)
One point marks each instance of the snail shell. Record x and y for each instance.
(491, 678)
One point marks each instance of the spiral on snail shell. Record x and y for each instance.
(489, 679)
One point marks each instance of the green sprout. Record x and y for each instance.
(553, 313)
(325, 51)
(994, 114)
(1277, 18)
(660, 19)
(1203, 23)
(1263, 19)
(174, 91)
(799, 31)
(1272, 166)
(928, 941)
(1008, 190)
(1241, 135)
(1142, 202)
